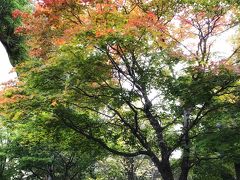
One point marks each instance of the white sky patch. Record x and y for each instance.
(176, 154)
(6, 67)
(223, 46)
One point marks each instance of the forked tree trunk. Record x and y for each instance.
(167, 172)
(163, 167)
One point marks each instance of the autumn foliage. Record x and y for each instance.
(57, 22)
(96, 65)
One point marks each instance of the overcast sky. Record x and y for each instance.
(6, 66)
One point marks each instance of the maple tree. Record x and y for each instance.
(108, 69)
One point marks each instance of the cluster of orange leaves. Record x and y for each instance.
(61, 18)
(20, 14)
(51, 2)
(23, 15)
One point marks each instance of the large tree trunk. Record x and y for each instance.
(185, 164)
(237, 170)
(166, 171)
(163, 167)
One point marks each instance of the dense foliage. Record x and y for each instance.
(126, 81)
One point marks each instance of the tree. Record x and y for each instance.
(14, 43)
(109, 71)
(40, 149)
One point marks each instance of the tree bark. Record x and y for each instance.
(163, 167)
(166, 171)
(185, 164)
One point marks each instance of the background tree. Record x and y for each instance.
(14, 43)
(40, 148)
